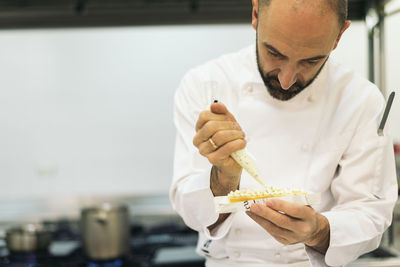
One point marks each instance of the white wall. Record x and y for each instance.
(89, 111)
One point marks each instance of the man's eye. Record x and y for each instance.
(273, 54)
(312, 61)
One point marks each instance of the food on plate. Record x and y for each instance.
(245, 195)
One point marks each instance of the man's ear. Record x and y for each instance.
(345, 27)
(254, 14)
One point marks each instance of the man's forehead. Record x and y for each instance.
(297, 4)
(305, 27)
(317, 8)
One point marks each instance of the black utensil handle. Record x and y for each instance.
(386, 113)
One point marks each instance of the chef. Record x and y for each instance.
(309, 123)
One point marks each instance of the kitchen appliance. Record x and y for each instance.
(154, 242)
(105, 231)
(28, 238)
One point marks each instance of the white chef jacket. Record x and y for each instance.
(322, 140)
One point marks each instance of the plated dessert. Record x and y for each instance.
(245, 195)
(241, 200)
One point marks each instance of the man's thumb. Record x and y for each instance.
(219, 108)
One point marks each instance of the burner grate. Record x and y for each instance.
(113, 263)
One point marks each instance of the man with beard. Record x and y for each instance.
(309, 123)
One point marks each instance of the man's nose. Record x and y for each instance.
(287, 76)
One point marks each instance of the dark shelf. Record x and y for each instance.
(94, 13)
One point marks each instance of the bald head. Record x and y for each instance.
(294, 40)
(339, 7)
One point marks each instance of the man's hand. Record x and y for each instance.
(217, 136)
(291, 223)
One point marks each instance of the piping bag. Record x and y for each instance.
(246, 162)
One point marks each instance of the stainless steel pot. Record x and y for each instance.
(105, 231)
(28, 237)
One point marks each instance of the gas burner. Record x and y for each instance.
(28, 258)
(113, 263)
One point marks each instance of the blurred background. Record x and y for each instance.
(87, 91)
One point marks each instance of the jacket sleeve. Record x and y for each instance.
(190, 192)
(365, 191)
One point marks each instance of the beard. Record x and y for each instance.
(273, 85)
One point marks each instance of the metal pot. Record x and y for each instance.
(28, 238)
(105, 231)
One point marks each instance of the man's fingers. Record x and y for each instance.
(275, 216)
(279, 233)
(219, 108)
(207, 116)
(224, 136)
(207, 147)
(292, 209)
(217, 112)
(224, 151)
(211, 128)
(219, 139)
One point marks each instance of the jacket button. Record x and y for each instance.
(305, 148)
(236, 254)
(249, 88)
(278, 255)
(238, 232)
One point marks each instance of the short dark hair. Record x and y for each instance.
(338, 6)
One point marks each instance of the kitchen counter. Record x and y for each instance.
(158, 236)
(390, 262)
(382, 257)
(148, 211)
